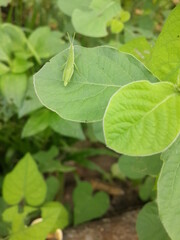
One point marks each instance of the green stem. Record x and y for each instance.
(33, 51)
(9, 18)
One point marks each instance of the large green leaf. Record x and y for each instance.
(93, 21)
(44, 118)
(142, 118)
(168, 191)
(86, 206)
(13, 87)
(69, 6)
(149, 226)
(101, 72)
(139, 167)
(165, 58)
(24, 183)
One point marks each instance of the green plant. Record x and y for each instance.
(25, 191)
(139, 107)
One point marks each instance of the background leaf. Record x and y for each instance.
(69, 6)
(93, 22)
(139, 167)
(87, 206)
(148, 224)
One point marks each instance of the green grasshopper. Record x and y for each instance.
(69, 65)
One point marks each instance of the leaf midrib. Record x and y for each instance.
(153, 109)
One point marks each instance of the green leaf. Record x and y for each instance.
(4, 3)
(37, 122)
(98, 131)
(148, 224)
(44, 118)
(125, 16)
(52, 188)
(69, 6)
(86, 96)
(23, 183)
(146, 190)
(138, 116)
(4, 227)
(165, 58)
(54, 216)
(139, 48)
(46, 155)
(66, 128)
(3, 68)
(50, 166)
(31, 102)
(20, 65)
(116, 26)
(16, 36)
(13, 87)
(139, 167)
(168, 191)
(47, 163)
(93, 22)
(61, 214)
(45, 42)
(87, 206)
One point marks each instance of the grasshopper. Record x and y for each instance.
(69, 65)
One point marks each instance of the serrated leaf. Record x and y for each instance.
(139, 167)
(86, 206)
(165, 58)
(138, 116)
(24, 182)
(168, 191)
(69, 6)
(93, 22)
(87, 95)
(148, 224)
